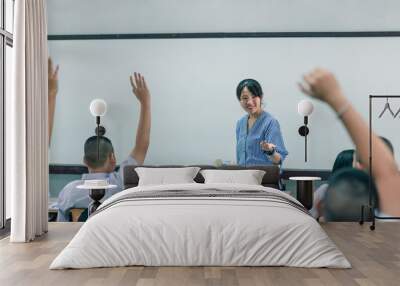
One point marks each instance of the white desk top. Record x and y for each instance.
(86, 187)
(96, 185)
(305, 178)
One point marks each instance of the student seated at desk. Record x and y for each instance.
(323, 85)
(103, 167)
(345, 159)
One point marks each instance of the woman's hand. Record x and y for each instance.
(273, 156)
(267, 146)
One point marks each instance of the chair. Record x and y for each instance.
(78, 215)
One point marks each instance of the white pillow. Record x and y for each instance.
(248, 177)
(165, 176)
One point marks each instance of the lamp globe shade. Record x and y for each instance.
(305, 107)
(98, 107)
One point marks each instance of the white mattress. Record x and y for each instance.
(191, 231)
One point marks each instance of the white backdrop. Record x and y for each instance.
(178, 16)
(193, 85)
(193, 81)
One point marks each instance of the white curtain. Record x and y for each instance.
(27, 147)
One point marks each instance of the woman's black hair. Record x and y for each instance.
(343, 160)
(252, 85)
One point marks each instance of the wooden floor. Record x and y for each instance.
(374, 255)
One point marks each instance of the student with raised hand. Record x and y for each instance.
(322, 84)
(102, 167)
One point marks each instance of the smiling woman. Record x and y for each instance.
(259, 139)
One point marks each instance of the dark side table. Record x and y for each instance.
(305, 190)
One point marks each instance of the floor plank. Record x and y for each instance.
(374, 255)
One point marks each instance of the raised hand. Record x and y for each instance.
(321, 84)
(139, 88)
(142, 93)
(52, 93)
(52, 79)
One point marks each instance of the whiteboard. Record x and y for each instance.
(193, 84)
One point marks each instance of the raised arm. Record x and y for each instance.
(142, 93)
(322, 84)
(52, 94)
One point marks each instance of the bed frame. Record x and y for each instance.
(271, 178)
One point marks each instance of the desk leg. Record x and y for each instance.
(96, 195)
(305, 193)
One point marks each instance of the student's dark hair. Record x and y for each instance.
(387, 143)
(252, 85)
(348, 190)
(343, 160)
(90, 151)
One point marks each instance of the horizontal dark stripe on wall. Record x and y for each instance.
(361, 34)
(68, 169)
(80, 169)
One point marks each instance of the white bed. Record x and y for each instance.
(185, 230)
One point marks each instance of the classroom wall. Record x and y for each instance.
(193, 81)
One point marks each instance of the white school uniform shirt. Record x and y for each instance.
(72, 197)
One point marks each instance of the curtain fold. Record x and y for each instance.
(28, 156)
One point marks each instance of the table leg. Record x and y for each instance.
(96, 195)
(305, 193)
